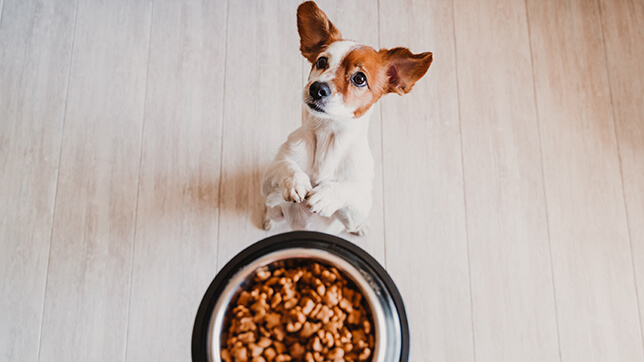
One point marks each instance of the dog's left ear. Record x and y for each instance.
(404, 68)
(316, 30)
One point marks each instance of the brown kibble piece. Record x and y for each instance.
(332, 296)
(244, 298)
(283, 358)
(272, 320)
(309, 357)
(307, 305)
(317, 344)
(325, 314)
(293, 327)
(315, 311)
(346, 305)
(309, 329)
(328, 277)
(262, 275)
(279, 333)
(255, 350)
(289, 304)
(247, 324)
(270, 354)
(335, 354)
(366, 353)
(366, 326)
(239, 352)
(280, 348)
(321, 289)
(297, 351)
(225, 355)
(264, 342)
(354, 317)
(247, 337)
(277, 299)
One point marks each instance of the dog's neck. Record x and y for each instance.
(354, 127)
(332, 138)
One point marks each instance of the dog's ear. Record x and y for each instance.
(404, 68)
(316, 30)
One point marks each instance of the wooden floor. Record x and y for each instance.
(509, 198)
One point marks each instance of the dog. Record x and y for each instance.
(322, 176)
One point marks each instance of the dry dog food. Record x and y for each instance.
(305, 313)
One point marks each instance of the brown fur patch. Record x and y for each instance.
(316, 30)
(363, 59)
(395, 70)
(404, 68)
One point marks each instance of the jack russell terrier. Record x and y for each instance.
(322, 176)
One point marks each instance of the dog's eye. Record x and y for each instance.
(359, 79)
(321, 63)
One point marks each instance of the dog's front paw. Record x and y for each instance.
(323, 200)
(295, 188)
(360, 230)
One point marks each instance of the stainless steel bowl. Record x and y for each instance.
(379, 291)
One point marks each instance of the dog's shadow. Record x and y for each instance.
(236, 194)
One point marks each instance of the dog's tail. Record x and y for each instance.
(296, 215)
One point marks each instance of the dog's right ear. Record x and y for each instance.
(316, 30)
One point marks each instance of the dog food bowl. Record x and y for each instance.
(378, 290)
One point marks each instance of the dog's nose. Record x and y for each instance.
(319, 90)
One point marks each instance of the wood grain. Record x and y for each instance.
(85, 316)
(176, 234)
(35, 38)
(506, 211)
(426, 250)
(261, 107)
(624, 49)
(592, 262)
(509, 185)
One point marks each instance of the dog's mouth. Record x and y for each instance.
(315, 107)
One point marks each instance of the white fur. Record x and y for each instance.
(323, 173)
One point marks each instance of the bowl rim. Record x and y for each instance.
(295, 239)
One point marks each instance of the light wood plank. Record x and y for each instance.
(363, 29)
(262, 106)
(176, 233)
(624, 48)
(426, 248)
(85, 317)
(35, 49)
(514, 320)
(592, 262)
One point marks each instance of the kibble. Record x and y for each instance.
(309, 313)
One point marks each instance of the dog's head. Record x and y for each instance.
(347, 78)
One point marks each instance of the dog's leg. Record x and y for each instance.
(348, 201)
(296, 215)
(285, 174)
(354, 221)
(272, 217)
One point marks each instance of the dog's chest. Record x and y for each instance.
(329, 157)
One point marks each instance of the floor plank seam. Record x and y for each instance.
(1, 13)
(621, 171)
(138, 182)
(60, 153)
(543, 180)
(221, 137)
(460, 135)
(382, 165)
